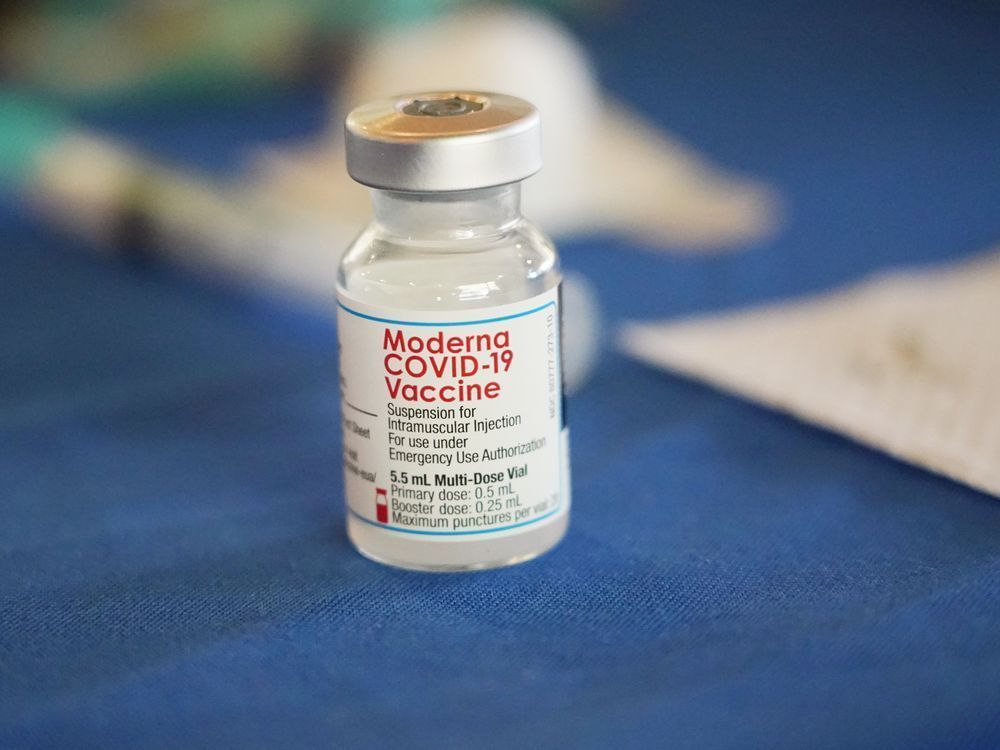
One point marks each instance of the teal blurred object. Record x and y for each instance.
(106, 51)
(27, 128)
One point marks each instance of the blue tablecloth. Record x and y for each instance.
(173, 567)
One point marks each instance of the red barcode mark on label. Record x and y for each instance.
(381, 506)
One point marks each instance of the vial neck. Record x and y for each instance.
(462, 215)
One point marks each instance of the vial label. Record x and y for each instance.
(453, 421)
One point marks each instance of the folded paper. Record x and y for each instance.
(908, 363)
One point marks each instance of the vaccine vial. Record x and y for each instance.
(455, 444)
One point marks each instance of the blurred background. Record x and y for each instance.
(210, 131)
(172, 207)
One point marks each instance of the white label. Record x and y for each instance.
(453, 421)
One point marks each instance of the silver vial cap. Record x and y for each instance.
(443, 140)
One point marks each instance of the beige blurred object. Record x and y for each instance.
(605, 169)
(908, 363)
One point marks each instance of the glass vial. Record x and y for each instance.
(455, 445)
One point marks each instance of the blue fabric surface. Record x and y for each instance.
(174, 567)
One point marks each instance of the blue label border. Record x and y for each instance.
(532, 311)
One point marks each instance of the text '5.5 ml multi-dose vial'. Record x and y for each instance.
(455, 445)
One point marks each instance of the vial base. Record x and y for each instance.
(454, 556)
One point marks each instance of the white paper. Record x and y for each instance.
(908, 363)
